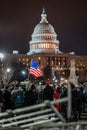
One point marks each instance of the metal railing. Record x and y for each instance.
(62, 126)
(36, 116)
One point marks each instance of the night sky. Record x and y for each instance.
(19, 17)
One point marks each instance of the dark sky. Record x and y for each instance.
(19, 17)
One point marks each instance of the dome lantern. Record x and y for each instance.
(43, 16)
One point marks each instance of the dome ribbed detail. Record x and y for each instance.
(44, 28)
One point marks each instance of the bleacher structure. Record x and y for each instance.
(42, 116)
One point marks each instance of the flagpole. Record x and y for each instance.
(28, 75)
(29, 71)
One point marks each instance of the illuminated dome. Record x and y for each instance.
(43, 28)
(44, 38)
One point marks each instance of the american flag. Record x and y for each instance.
(35, 70)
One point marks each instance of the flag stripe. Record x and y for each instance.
(35, 72)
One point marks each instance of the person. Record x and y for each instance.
(8, 103)
(74, 95)
(63, 106)
(30, 97)
(56, 97)
(1, 101)
(79, 101)
(83, 97)
(48, 92)
(19, 97)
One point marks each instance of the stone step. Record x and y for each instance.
(83, 114)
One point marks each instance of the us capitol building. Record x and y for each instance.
(44, 48)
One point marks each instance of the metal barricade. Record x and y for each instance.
(62, 126)
(36, 116)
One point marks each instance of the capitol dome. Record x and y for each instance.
(44, 28)
(44, 38)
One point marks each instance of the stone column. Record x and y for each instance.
(73, 78)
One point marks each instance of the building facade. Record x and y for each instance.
(44, 48)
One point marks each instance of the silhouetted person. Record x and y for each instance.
(8, 104)
(48, 92)
(74, 101)
(30, 97)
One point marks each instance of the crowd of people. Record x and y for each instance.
(16, 96)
